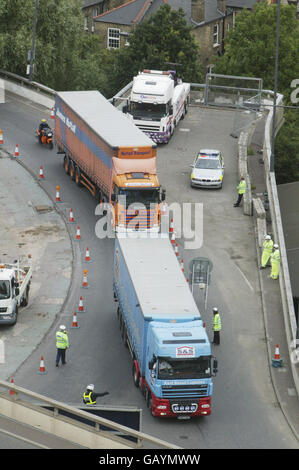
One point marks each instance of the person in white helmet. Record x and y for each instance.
(90, 397)
(267, 251)
(275, 262)
(62, 344)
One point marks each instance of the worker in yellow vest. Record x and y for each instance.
(267, 251)
(275, 262)
(90, 397)
(216, 326)
(241, 188)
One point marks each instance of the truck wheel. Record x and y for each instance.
(66, 164)
(136, 376)
(26, 298)
(72, 170)
(78, 177)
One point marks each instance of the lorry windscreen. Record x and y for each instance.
(197, 368)
(141, 196)
(4, 290)
(147, 110)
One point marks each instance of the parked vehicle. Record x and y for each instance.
(107, 154)
(207, 169)
(157, 102)
(45, 136)
(160, 323)
(14, 291)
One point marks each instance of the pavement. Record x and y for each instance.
(282, 378)
(31, 225)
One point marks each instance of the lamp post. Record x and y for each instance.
(32, 52)
(275, 87)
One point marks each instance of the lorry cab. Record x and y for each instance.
(179, 369)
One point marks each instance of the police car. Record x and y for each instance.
(207, 169)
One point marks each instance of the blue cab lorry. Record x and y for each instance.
(160, 324)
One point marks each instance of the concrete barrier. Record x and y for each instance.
(260, 215)
(2, 91)
(284, 277)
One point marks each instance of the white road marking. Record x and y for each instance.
(245, 278)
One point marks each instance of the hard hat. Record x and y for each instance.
(267, 237)
(90, 387)
(44, 120)
(215, 310)
(62, 327)
(275, 245)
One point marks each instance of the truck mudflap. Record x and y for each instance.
(180, 408)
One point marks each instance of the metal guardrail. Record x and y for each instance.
(83, 416)
(38, 87)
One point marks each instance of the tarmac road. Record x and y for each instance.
(245, 411)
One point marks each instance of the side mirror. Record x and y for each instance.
(163, 195)
(17, 291)
(151, 364)
(215, 366)
(125, 109)
(113, 197)
(171, 110)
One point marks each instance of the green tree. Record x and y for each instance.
(162, 42)
(287, 149)
(250, 48)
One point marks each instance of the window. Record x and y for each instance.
(113, 38)
(85, 23)
(216, 35)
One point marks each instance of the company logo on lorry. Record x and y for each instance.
(66, 121)
(135, 152)
(185, 351)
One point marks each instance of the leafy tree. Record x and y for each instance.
(158, 43)
(250, 48)
(287, 149)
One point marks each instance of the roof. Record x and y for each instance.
(104, 119)
(90, 3)
(134, 11)
(159, 282)
(240, 3)
(288, 195)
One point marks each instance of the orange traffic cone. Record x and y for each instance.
(58, 194)
(52, 114)
(277, 361)
(172, 239)
(81, 307)
(85, 283)
(87, 256)
(182, 265)
(171, 227)
(1, 136)
(41, 172)
(75, 322)
(164, 211)
(78, 233)
(71, 217)
(42, 369)
(17, 151)
(11, 392)
(176, 250)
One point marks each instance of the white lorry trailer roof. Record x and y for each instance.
(104, 119)
(159, 282)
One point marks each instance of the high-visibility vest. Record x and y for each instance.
(217, 322)
(268, 246)
(87, 399)
(275, 257)
(62, 341)
(242, 187)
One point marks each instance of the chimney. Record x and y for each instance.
(198, 10)
(221, 5)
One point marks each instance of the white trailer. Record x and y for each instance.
(15, 282)
(157, 102)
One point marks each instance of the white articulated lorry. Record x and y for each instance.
(157, 102)
(14, 291)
